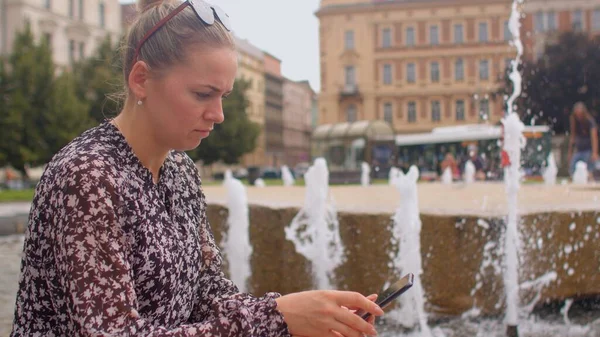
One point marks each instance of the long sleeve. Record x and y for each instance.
(93, 270)
(215, 288)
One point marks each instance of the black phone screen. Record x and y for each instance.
(391, 293)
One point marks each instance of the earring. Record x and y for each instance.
(139, 102)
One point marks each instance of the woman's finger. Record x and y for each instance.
(372, 298)
(347, 331)
(337, 334)
(353, 322)
(356, 301)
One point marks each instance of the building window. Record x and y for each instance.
(102, 13)
(71, 8)
(484, 109)
(459, 70)
(483, 32)
(458, 34)
(81, 50)
(386, 38)
(387, 74)
(48, 4)
(577, 20)
(387, 113)
(538, 23)
(351, 113)
(507, 33)
(484, 71)
(434, 38)
(460, 110)
(436, 114)
(435, 72)
(551, 21)
(411, 73)
(412, 112)
(81, 10)
(350, 75)
(72, 51)
(349, 40)
(410, 36)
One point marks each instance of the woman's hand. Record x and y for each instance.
(327, 313)
(371, 319)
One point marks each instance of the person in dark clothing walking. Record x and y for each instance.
(583, 139)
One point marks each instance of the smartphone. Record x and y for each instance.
(391, 293)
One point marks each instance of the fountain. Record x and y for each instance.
(286, 175)
(259, 182)
(551, 171)
(236, 242)
(469, 174)
(407, 232)
(393, 176)
(513, 142)
(447, 176)
(315, 229)
(365, 174)
(581, 174)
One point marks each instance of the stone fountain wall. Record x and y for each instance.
(461, 256)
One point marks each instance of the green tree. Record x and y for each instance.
(567, 72)
(9, 121)
(42, 112)
(233, 138)
(65, 118)
(31, 73)
(98, 78)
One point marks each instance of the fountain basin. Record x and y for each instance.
(462, 230)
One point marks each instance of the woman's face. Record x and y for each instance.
(185, 102)
(579, 112)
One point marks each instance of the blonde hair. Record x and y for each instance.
(169, 44)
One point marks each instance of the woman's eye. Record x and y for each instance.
(202, 95)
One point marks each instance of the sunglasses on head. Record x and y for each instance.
(205, 11)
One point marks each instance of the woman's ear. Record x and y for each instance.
(138, 79)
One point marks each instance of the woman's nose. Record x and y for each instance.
(215, 112)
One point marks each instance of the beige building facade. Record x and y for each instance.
(251, 67)
(273, 112)
(415, 64)
(74, 27)
(298, 101)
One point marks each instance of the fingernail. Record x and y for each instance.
(379, 310)
(373, 331)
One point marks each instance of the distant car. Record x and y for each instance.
(240, 173)
(270, 173)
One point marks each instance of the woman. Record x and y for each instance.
(118, 243)
(583, 138)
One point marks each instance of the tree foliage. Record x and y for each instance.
(39, 109)
(99, 80)
(567, 72)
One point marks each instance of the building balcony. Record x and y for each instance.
(350, 91)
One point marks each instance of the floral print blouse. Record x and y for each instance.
(110, 253)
